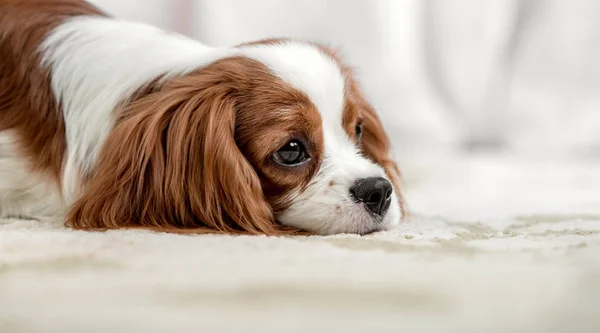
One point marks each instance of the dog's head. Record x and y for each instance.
(275, 136)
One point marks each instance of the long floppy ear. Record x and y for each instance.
(376, 145)
(172, 164)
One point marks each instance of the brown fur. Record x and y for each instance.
(184, 156)
(27, 104)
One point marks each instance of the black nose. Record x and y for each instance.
(375, 193)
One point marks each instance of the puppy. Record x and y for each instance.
(113, 124)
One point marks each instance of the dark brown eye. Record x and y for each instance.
(358, 131)
(291, 154)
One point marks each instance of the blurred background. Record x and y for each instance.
(446, 75)
(450, 78)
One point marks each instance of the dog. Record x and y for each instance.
(108, 124)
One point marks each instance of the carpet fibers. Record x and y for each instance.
(494, 245)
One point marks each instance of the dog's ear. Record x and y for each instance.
(375, 143)
(171, 163)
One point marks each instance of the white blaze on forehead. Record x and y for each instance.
(307, 69)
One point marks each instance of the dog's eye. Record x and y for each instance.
(358, 131)
(292, 153)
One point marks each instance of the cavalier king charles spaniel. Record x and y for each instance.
(108, 124)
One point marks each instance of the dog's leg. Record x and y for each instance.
(25, 193)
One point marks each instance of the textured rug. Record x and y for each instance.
(494, 245)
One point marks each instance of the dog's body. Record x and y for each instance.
(118, 124)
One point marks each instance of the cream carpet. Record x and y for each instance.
(494, 245)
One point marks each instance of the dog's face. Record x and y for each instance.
(276, 135)
(310, 139)
(314, 171)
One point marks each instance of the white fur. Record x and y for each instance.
(24, 193)
(97, 63)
